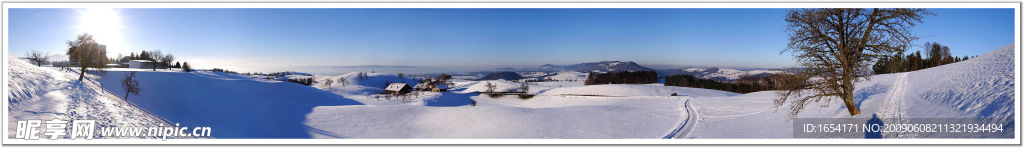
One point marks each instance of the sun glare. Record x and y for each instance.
(105, 25)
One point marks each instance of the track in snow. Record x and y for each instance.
(687, 124)
(895, 106)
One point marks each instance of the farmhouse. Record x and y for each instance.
(398, 88)
(440, 88)
(140, 64)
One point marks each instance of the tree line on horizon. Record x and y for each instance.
(938, 55)
(745, 84)
(622, 77)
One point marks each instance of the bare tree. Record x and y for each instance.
(835, 47)
(87, 51)
(490, 87)
(36, 57)
(130, 85)
(525, 87)
(342, 81)
(157, 57)
(328, 83)
(166, 60)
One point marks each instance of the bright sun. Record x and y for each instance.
(105, 25)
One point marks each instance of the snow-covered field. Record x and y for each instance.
(236, 106)
(452, 114)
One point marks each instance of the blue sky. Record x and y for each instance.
(739, 38)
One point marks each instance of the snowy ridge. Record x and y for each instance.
(603, 66)
(718, 74)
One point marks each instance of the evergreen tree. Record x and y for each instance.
(186, 67)
(882, 66)
(144, 56)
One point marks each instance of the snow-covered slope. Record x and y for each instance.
(981, 87)
(372, 84)
(46, 93)
(481, 86)
(568, 76)
(233, 106)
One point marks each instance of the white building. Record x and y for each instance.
(398, 88)
(140, 64)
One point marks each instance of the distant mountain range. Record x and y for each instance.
(717, 74)
(507, 75)
(603, 66)
(57, 57)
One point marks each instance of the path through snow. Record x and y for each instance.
(895, 106)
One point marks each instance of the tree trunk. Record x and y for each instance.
(848, 99)
(848, 86)
(81, 74)
(125, 95)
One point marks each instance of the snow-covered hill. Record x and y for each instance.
(57, 57)
(981, 87)
(233, 106)
(46, 93)
(717, 74)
